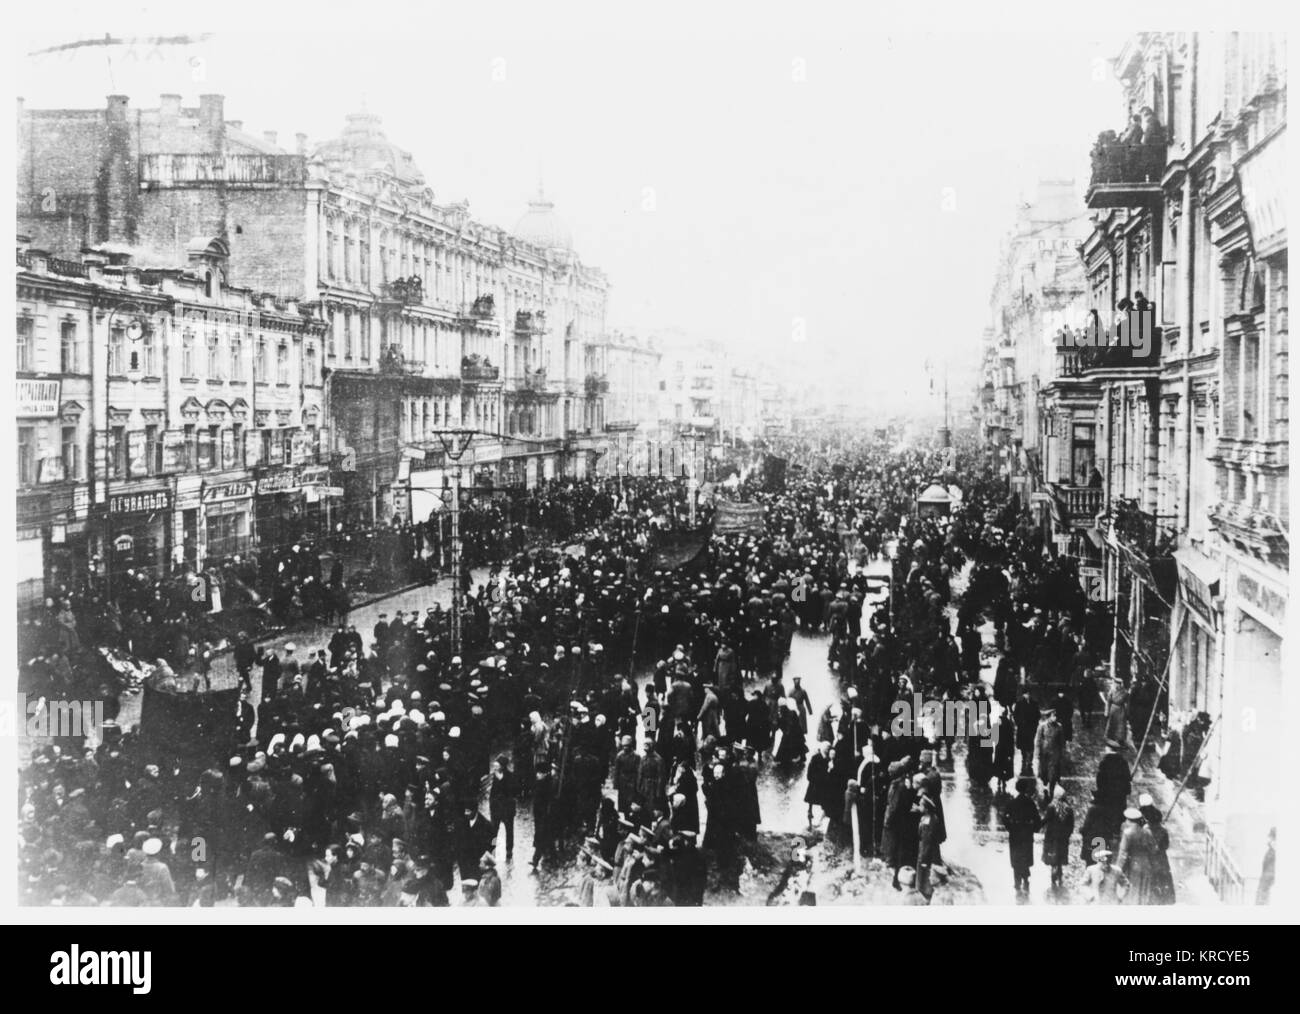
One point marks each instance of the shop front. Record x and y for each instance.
(1244, 800)
(1195, 678)
(227, 521)
(32, 518)
(278, 509)
(188, 507)
(136, 533)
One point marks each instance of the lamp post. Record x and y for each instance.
(455, 442)
(135, 324)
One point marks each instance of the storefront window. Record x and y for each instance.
(227, 532)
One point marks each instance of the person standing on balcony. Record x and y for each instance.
(1133, 132)
(1152, 131)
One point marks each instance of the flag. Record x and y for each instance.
(731, 518)
(670, 550)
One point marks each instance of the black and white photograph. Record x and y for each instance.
(555, 457)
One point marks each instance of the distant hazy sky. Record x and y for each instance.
(731, 174)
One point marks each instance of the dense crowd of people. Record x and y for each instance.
(629, 691)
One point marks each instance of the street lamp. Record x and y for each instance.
(455, 442)
(135, 324)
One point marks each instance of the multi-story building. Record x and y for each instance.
(631, 405)
(1039, 283)
(435, 321)
(174, 418)
(1168, 448)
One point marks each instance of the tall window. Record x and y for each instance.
(117, 351)
(214, 357)
(329, 253)
(152, 450)
(364, 326)
(26, 455)
(311, 376)
(149, 352)
(69, 352)
(70, 449)
(259, 363)
(236, 359)
(26, 344)
(365, 261)
(347, 334)
(347, 258)
(187, 354)
(282, 364)
(1083, 454)
(117, 451)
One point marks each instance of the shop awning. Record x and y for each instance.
(1194, 563)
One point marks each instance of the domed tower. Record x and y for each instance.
(541, 226)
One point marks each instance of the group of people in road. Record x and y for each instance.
(628, 691)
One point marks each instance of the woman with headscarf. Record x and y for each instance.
(684, 799)
(1022, 820)
(899, 842)
(791, 747)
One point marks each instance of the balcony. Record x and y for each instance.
(481, 313)
(1148, 534)
(1255, 532)
(403, 291)
(394, 360)
(1134, 343)
(533, 380)
(1079, 504)
(530, 322)
(596, 384)
(1125, 175)
(475, 369)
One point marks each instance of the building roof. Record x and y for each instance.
(541, 226)
(364, 146)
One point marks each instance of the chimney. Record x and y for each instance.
(302, 143)
(212, 119)
(117, 106)
(94, 262)
(269, 136)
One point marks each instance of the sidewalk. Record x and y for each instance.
(1185, 824)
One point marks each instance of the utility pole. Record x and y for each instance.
(457, 585)
(455, 442)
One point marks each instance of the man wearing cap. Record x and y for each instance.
(155, 876)
(1136, 859)
(544, 830)
(1049, 749)
(1103, 884)
(502, 802)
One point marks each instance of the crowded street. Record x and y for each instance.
(583, 470)
(717, 686)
